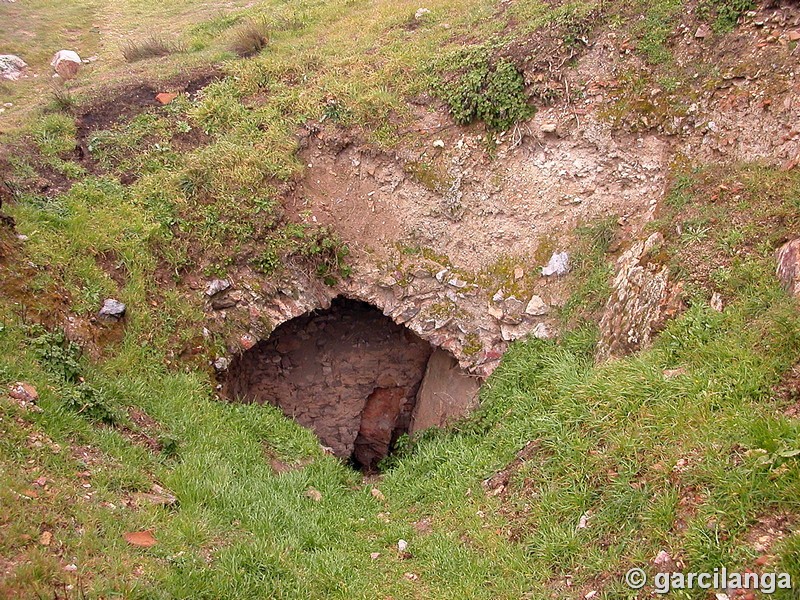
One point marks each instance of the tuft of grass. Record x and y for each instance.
(54, 134)
(150, 47)
(249, 39)
(61, 100)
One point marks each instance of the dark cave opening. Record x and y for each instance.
(355, 377)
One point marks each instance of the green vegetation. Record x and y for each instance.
(724, 13)
(633, 449)
(686, 447)
(478, 88)
(151, 47)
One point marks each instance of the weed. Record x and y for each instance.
(477, 87)
(150, 47)
(61, 100)
(724, 14)
(91, 403)
(59, 355)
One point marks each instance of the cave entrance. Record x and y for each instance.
(355, 377)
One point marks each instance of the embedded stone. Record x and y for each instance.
(557, 265)
(112, 309)
(788, 269)
(536, 307)
(216, 286)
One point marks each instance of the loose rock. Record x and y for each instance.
(66, 63)
(112, 309)
(12, 67)
(166, 97)
(557, 265)
(536, 307)
(216, 286)
(24, 392)
(716, 302)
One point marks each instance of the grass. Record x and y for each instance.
(609, 439)
(687, 464)
(151, 47)
(249, 39)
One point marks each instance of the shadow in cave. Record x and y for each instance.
(355, 377)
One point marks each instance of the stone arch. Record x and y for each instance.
(355, 377)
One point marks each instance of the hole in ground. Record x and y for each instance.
(355, 377)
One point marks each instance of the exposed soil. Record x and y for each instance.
(463, 206)
(128, 102)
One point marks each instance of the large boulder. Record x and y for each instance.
(788, 270)
(12, 67)
(640, 302)
(66, 63)
(446, 393)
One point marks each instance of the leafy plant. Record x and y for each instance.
(724, 13)
(92, 403)
(170, 445)
(477, 87)
(57, 354)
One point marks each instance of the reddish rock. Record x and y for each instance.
(166, 97)
(378, 422)
(446, 393)
(66, 63)
(788, 269)
(23, 391)
(247, 341)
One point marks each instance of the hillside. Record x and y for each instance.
(370, 299)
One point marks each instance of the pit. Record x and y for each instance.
(355, 377)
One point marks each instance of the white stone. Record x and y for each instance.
(558, 265)
(66, 63)
(12, 67)
(216, 286)
(536, 307)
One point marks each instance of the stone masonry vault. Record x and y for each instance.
(355, 377)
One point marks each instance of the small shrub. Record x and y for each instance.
(151, 47)
(724, 13)
(249, 39)
(478, 88)
(56, 354)
(170, 445)
(92, 403)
